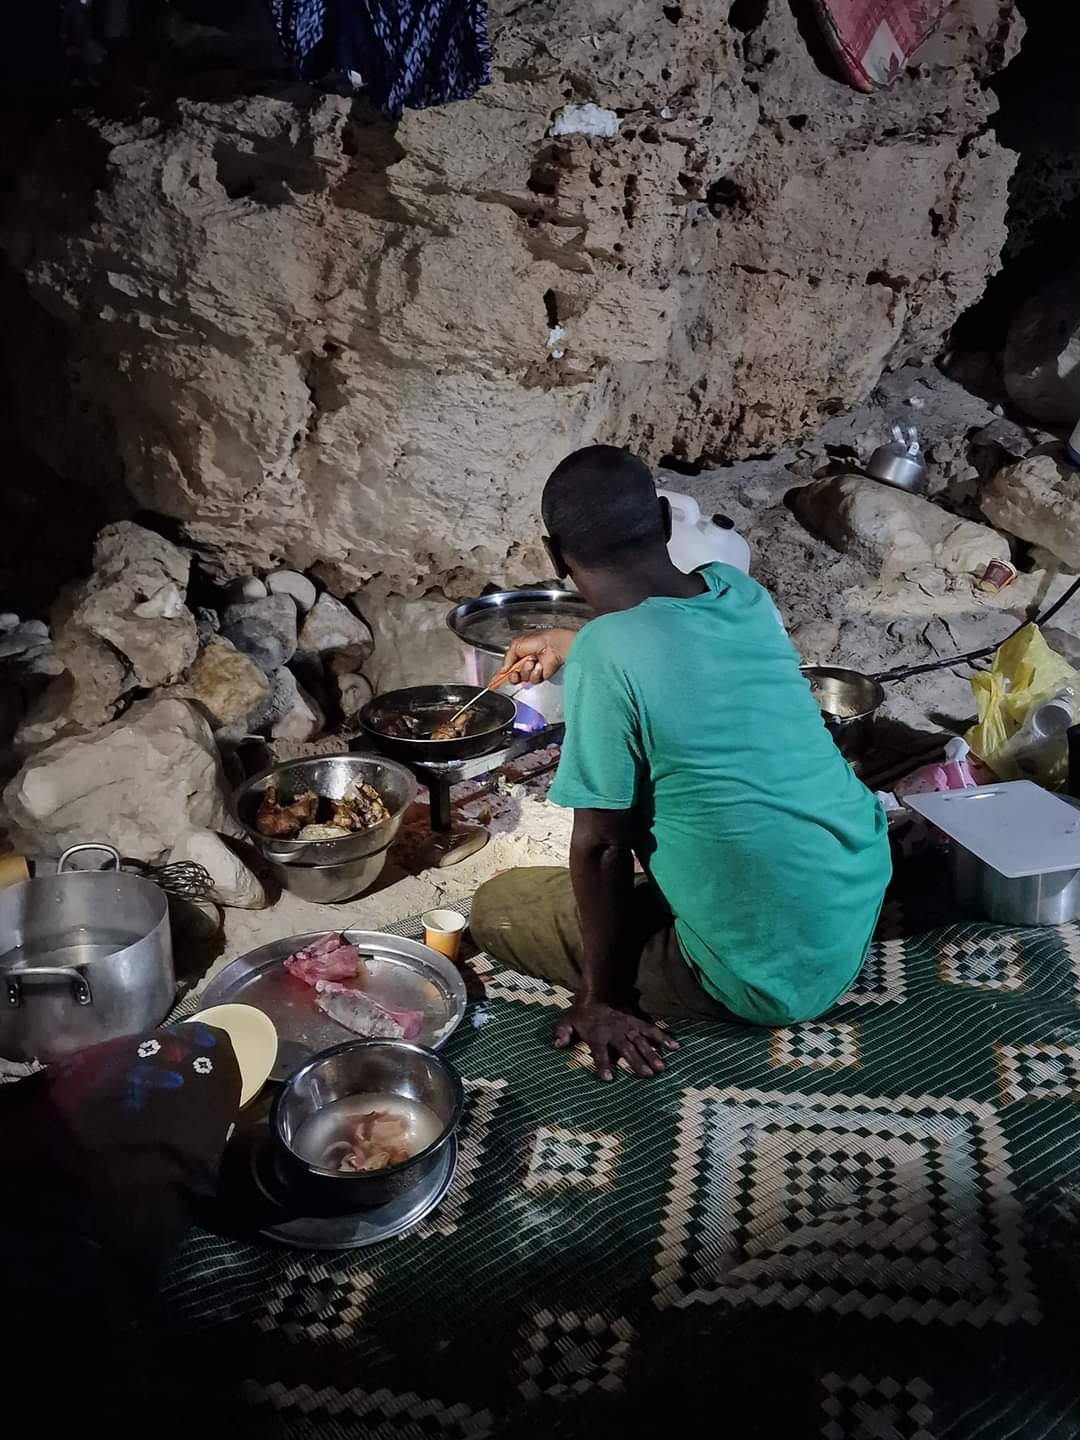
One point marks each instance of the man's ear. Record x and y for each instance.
(665, 516)
(555, 555)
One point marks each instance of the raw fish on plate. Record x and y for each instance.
(363, 1015)
(331, 958)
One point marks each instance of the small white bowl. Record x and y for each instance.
(254, 1041)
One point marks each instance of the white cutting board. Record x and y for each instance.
(1017, 828)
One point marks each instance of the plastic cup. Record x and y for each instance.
(443, 930)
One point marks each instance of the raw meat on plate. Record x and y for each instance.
(331, 958)
(363, 1015)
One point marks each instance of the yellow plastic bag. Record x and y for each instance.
(1025, 672)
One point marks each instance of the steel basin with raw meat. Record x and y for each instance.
(410, 1074)
(85, 956)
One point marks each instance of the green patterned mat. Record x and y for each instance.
(864, 1227)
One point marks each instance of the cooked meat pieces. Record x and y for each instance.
(452, 729)
(360, 808)
(285, 822)
(380, 1139)
(364, 1016)
(331, 958)
(400, 726)
(318, 817)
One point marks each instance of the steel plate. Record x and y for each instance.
(402, 974)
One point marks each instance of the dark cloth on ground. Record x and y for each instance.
(408, 53)
(108, 1152)
(527, 920)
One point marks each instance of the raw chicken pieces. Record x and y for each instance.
(363, 1015)
(331, 958)
(380, 1139)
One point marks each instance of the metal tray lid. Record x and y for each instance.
(1018, 828)
(490, 622)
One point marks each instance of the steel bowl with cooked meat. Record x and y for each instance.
(325, 811)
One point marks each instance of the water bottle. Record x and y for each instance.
(696, 541)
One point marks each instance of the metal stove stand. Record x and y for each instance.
(440, 776)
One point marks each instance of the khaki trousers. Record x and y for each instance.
(527, 920)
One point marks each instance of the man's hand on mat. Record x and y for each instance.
(613, 1035)
(537, 655)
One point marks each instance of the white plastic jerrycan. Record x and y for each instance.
(696, 541)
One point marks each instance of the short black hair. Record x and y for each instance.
(599, 501)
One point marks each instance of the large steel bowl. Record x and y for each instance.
(849, 701)
(364, 1067)
(329, 775)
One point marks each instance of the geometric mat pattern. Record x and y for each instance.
(868, 1226)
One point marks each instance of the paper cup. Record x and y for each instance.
(443, 930)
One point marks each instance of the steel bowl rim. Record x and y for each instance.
(845, 674)
(498, 599)
(353, 1176)
(409, 740)
(263, 843)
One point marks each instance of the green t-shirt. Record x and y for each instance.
(770, 853)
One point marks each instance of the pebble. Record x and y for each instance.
(332, 626)
(303, 721)
(249, 588)
(265, 629)
(291, 582)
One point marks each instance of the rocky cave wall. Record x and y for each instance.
(311, 336)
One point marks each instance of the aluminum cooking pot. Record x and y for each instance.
(85, 956)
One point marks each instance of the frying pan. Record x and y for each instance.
(491, 721)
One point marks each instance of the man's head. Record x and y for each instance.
(602, 512)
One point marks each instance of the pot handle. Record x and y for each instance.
(15, 979)
(61, 864)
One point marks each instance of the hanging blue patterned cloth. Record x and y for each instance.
(409, 53)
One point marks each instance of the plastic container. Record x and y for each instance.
(1040, 747)
(696, 541)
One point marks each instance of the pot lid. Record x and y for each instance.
(490, 622)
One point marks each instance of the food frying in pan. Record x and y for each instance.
(436, 724)
(319, 817)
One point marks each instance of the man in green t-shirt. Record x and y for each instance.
(693, 742)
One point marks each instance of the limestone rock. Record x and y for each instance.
(265, 629)
(1042, 353)
(307, 353)
(332, 626)
(277, 704)
(86, 695)
(235, 884)
(24, 640)
(131, 552)
(304, 720)
(249, 587)
(139, 783)
(207, 624)
(1038, 499)
(894, 534)
(228, 684)
(413, 645)
(291, 582)
(354, 691)
(816, 640)
(133, 602)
